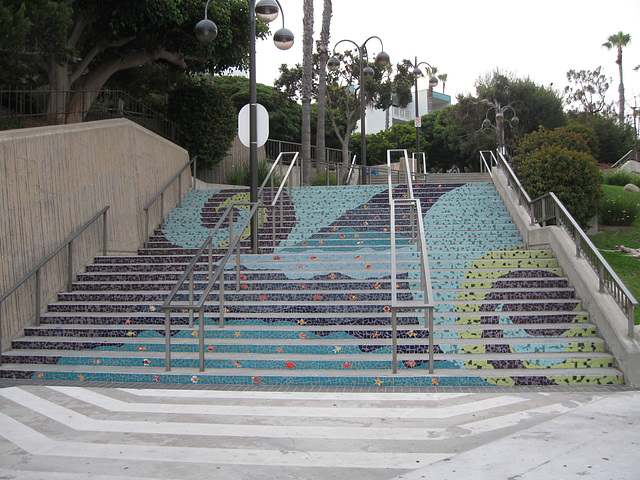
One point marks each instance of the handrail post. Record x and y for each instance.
(162, 210)
(201, 337)
(69, 265)
(167, 340)
(191, 287)
(394, 339)
(146, 228)
(431, 346)
(105, 235)
(38, 298)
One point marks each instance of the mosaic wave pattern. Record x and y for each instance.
(314, 309)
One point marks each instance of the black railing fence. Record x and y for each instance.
(21, 108)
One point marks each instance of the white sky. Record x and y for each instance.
(540, 39)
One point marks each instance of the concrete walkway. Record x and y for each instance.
(79, 432)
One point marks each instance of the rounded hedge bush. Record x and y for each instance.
(572, 175)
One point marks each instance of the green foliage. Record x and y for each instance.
(206, 119)
(621, 178)
(619, 207)
(535, 105)
(572, 175)
(242, 175)
(568, 139)
(614, 141)
(320, 179)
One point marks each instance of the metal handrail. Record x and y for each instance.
(549, 207)
(418, 237)
(623, 159)
(214, 277)
(351, 167)
(485, 166)
(278, 197)
(160, 195)
(36, 270)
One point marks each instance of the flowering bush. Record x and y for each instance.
(619, 210)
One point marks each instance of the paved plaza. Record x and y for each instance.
(85, 432)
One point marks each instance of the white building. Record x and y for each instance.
(376, 119)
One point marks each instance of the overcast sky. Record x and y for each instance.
(465, 39)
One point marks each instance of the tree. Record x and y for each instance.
(431, 72)
(323, 54)
(307, 87)
(619, 41)
(206, 118)
(590, 91)
(78, 46)
(571, 174)
(443, 78)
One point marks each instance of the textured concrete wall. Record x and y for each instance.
(54, 179)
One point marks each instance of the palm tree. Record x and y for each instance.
(443, 79)
(431, 72)
(307, 87)
(619, 40)
(323, 50)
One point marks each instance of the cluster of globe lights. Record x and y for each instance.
(266, 11)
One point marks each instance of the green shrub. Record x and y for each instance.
(207, 121)
(619, 208)
(572, 175)
(621, 178)
(320, 179)
(242, 175)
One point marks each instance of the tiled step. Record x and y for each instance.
(317, 309)
(371, 378)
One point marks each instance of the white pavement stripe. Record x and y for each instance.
(496, 423)
(439, 412)
(264, 395)
(36, 443)
(80, 422)
(38, 475)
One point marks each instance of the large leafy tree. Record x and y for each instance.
(588, 92)
(78, 45)
(618, 41)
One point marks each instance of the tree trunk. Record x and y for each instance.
(322, 79)
(620, 89)
(58, 91)
(307, 85)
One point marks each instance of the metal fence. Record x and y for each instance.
(21, 108)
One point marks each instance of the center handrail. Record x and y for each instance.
(548, 207)
(278, 196)
(213, 278)
(418, 238)
(160, 195)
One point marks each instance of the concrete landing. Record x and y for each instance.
(78, 432)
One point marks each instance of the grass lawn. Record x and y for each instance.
(627, 268)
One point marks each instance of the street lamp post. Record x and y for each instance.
(433, 81)
(382, 59)
(500, 121)
(206, 31)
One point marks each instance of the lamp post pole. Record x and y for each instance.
(206, 31)
(382, 59)
(433, 81)
(500, 121)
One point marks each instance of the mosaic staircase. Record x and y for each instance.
(314, 309)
